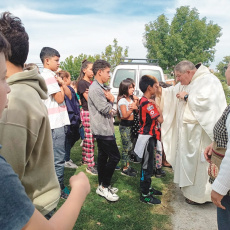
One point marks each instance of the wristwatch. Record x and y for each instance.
(186, 97)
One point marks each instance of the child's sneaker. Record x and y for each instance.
(70, 164)
(160, 173)
(128, 172)
(149, 199)
(107, 194)
(134, 159)
(113, 189)
(65, 193)
(117, 167)
(133, 170)
(92, 171)
(153, 191)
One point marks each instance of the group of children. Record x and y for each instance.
(43, 143)
(97, 110)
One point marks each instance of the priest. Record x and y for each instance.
(190, 110)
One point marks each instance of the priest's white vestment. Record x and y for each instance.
(188, 129)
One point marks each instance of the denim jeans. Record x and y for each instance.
(58, 136)
(223, 216)
(108, 158)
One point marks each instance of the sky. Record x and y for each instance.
(75, 26)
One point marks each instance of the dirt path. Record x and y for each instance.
(192, 217)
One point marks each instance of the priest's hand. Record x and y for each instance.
(208, 153)
(216, 199)
(181, 95)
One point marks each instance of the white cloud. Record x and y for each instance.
(75, 34)
(91, 33)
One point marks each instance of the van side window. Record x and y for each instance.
(122, 74)
(155, 73)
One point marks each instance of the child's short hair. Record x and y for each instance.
(100, 64)
(63, 74)
(145, 81)
(48, 52)
(14, 32)
(4, 47)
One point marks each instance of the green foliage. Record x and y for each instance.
(73, 65)
(112, 54)
(222, 64)
(188, 37)
(225, 86)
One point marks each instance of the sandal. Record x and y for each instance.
(190, 202)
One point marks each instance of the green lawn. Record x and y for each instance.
(128, 212)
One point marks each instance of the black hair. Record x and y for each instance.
(145, 81)
(4, 47)
(123, 91)
(14, 32)
(133, 82)
(100, 65)
(84, 65)
(48, 52)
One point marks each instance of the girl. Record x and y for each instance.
(83, 83)
(72, 104)
(126, 106)
(135, 126)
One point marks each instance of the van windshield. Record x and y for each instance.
(155, 73)
(122, 74)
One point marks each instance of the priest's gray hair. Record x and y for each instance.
(183, 66)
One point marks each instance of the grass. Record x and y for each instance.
(128, 212)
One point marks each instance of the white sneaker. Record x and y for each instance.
(113, 189)
(107, 193)
(69, 164)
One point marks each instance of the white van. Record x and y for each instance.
(135, 69)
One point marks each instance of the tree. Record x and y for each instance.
(112, 54)
(188, 37)
(222, 64)
(221, 75)
(73, 65)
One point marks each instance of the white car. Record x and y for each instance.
(134, 69)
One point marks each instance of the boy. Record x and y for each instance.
(24, 127)
(57, 111)
(148, 136)
(100, 103)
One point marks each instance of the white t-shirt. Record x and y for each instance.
(58, 115)
(123, 101)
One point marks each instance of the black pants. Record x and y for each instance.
(147, 166)
(108, 158)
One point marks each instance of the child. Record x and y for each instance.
(73, 109)
(126, 106)
(57, 111)
(147, 139)
(100, 102)
(17, 210)
(84, 81)
(135, 127)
